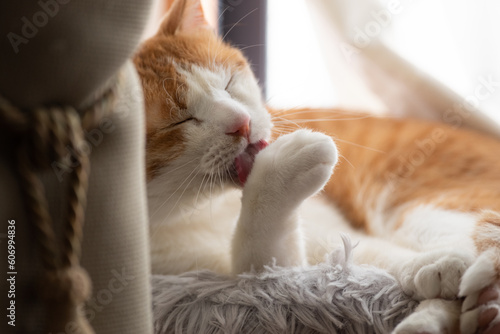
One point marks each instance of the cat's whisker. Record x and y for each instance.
(281, 119)
(177, 90)
(168, 198)
(226, 173)
(185, 188)
(170, 112)
(290, 129)
(221, 14)
(176, 168)
(291, 122)
(269, 98)
(220, 178)
(344, 157)
(304, 120)
(360, 146)
(162, 194)
(327, 111)
(229, 173)
(287, 125)
(224, 63)
(163, 85)
(207, 183)
(238, 22)
(221, 181)
(187, 178)
(210, 195)
(343, 115)
(216, 53)
(296, 123)
(199, 191)
(251, 46)
(214, 58)
(212, 61)
(284, 130)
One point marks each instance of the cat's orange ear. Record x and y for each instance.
(185, 16)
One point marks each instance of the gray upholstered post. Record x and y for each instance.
(62, 52)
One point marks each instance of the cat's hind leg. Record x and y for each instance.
(468, 267)
(443, 251)
(426, 276)
(440, 251)
(284, 174)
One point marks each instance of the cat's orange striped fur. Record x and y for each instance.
(423, 198)
(421, 162)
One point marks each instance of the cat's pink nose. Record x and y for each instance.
(241, 128)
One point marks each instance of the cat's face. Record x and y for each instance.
(205, 115)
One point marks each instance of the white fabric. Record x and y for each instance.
(359, 39)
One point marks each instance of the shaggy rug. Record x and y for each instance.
(336, 296)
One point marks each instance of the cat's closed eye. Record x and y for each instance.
(184, 121)
(229, 83)
(176, 124)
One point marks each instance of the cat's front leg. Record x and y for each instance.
(293, 168)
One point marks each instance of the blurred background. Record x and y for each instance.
(301, 61)
(455, 41)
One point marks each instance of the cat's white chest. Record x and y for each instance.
(200, 237)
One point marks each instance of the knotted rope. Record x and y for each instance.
(45, 136)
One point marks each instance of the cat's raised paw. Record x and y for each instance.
(294, 167)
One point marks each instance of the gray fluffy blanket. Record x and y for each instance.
(333, 297)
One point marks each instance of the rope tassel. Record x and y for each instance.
(45, 135)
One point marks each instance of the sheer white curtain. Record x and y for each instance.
(435, 59)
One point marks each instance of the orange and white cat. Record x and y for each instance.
(422, 198)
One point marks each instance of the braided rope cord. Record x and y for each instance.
(77, 195)
(45, 135)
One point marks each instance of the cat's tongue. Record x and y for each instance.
(244, 161)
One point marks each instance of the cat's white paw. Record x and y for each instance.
(294, 167)
(433, 316)
(483, 314)
(479, 286)
(435, 274)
